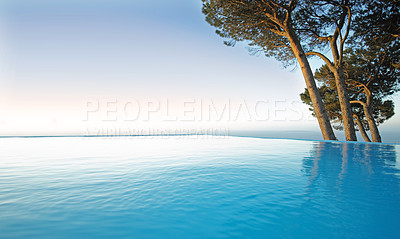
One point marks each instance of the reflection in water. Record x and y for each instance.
(346, 179)
(180, 188)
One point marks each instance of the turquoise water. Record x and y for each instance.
(197, 187)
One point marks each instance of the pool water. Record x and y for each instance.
(197, 187)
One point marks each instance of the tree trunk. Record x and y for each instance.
(347, 114)
(362, 129)
(319, 108)
(376, 137)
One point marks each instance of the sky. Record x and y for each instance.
(117, 67)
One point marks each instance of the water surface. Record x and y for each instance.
(191, 187)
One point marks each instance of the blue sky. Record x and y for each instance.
(58, 57)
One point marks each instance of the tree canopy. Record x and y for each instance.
(263, 24)
(258, 23)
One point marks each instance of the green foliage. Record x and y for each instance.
(319, 19)
(385, 110)
(378, 21)
(246, 21)
(377, 25)
(263, 24)
(331, 102)
(372, 67)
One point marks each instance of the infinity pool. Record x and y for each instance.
(197, 187)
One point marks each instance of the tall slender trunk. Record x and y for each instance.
(337, 46)
(362, 129)
(347, 114)
(319, 108)
(376, 137)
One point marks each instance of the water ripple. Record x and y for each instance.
(185, 188)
